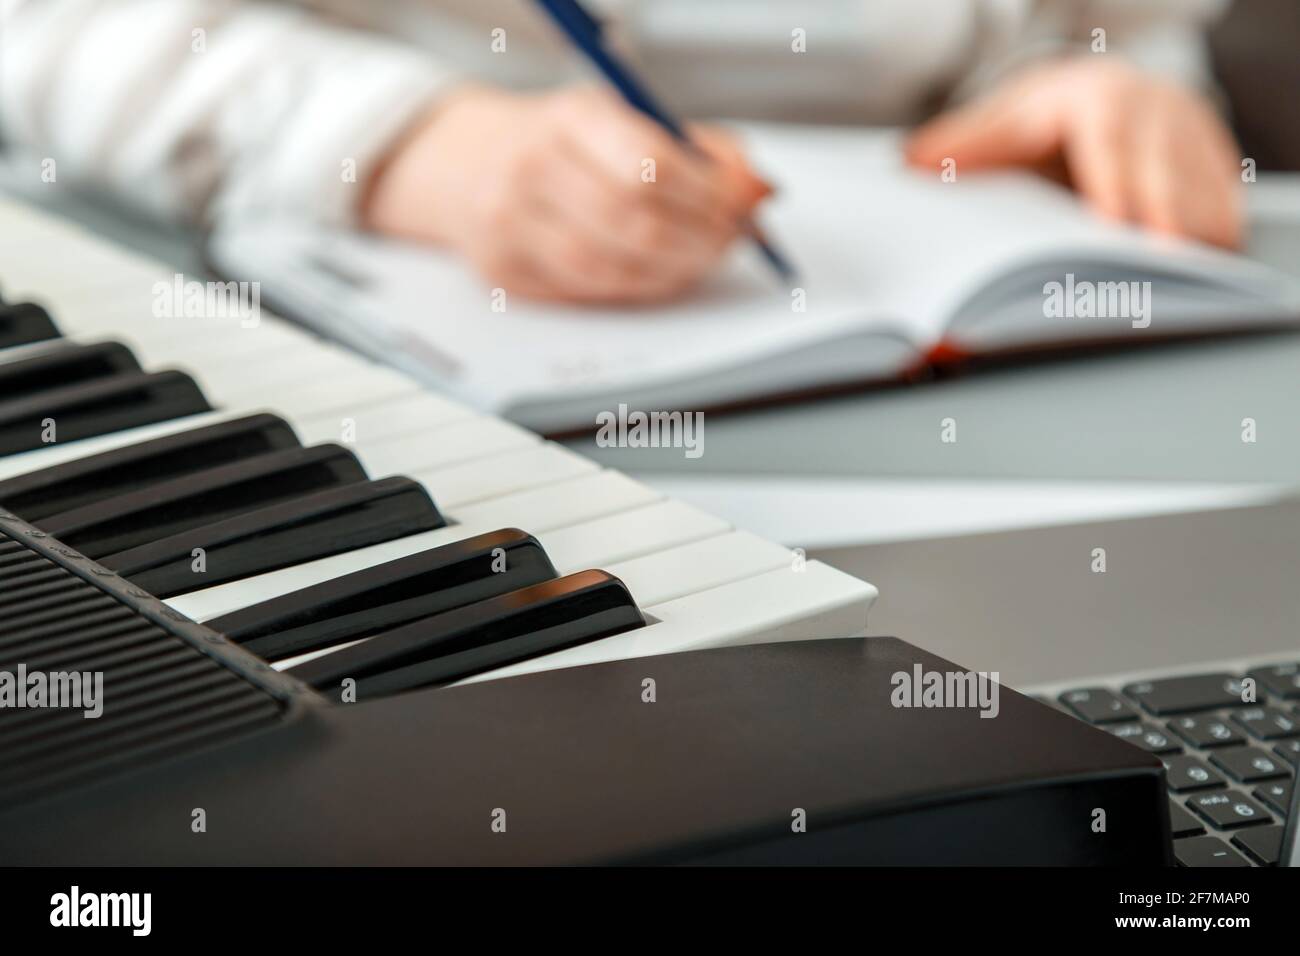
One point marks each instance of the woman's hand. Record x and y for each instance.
(569, 195)
(1138, 148)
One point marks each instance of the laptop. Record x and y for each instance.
(1148, 628)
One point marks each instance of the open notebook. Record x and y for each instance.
(897, 268)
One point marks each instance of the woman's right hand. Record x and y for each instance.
(568, 196)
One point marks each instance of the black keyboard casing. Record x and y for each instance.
(582, 769)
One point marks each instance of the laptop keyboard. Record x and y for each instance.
(1230, 763)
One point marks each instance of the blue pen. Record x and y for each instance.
(584, 31)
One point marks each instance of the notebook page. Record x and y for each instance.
(860, 254)
(494, 340)
(880, 249)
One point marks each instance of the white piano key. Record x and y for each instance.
(127, 304)
(16, 353)
(99, 281)
(80, 271)
(157, 345)
(654, 527)
(288, 662)
(459, 441)
(698, 566)
(483, 478)
(351, 387)
(85, 312)
(798, 602)
(24, 226)
(314, 366)
(781, 605)
(405, 415)
(266, 344)
(101, 318)
(539, 511)
(262, 352)
(560, 505)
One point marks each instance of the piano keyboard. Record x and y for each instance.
(333, 518)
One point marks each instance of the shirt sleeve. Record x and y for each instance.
(1166, 37)
(194, 109)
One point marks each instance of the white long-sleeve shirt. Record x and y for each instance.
(199, 108)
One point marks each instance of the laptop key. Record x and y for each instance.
(1275, 795)
(1227, 811)
(1178, 695)
(1207, 851)
(1282, 680)
(1263, 844)
(1097, 705)
(1267, 723)
(1185, 774)
(1149, 738)
(1206, 730)
(1182, 823)
(1248, 765)
(1289, 750)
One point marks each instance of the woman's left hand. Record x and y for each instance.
(1137, 148)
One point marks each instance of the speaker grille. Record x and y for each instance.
(165, 685)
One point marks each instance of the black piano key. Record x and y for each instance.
(64, 366)
(1178, 695)
(291, 532)
(23, 323)
(97, 407)
(190, 501)
(73, 484)
(388, 595)
(502, 630)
